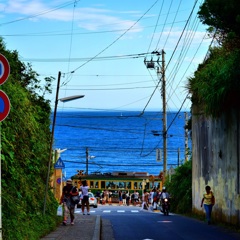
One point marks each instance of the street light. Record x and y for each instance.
(67, 99)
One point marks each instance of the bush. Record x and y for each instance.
(180, 188)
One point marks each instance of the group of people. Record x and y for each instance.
(154, 197)
(148, 198)
(68, 204)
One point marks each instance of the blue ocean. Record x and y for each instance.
(102, 141)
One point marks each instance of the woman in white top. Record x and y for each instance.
(85, 198)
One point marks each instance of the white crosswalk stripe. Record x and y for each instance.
(110, 211)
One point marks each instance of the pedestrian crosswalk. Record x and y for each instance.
(110, 211)
(118, 210)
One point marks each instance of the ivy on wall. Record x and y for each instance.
(25, 136)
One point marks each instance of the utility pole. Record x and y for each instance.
(87, 161)
(164, 116)
(186, 136)
(161, 74)
(178, 157)
(51, 144)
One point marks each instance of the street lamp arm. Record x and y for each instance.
(67, 99)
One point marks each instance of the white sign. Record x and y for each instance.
(158, 155)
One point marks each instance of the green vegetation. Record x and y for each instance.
(25, 137)
(215, 85)
(179, 185)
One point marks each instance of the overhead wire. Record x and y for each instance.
(39, 14)
(164, 25)
(186, 46)
(167, 67)
(103, 50)
(155, 28)
(117, 57)
(170, 57)
(61, 33)
(172, 24)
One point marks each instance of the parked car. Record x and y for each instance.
(92, 201)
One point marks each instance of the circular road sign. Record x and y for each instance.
(59, 180)
(4, 105)
(4, 69)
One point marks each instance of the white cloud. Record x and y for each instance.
(91, 19)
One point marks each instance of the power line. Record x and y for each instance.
(115, 39)
(117, 57)
(40, 14)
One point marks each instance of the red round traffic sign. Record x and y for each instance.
(4, 69)
(4, 105)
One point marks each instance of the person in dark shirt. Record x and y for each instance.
(69, 206)
(98, 196)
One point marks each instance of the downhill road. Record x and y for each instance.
(136, 224)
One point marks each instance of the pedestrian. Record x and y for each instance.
(106, 195)
(102, 198)
(98, 196)
(85, 198)
(208, 201)
(136, 198)
(110, 198)
(128, 199)
(120, 197)
(124, 198)
(145, 200)
(154, 198)
(69, 206)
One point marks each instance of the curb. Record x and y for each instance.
(97, 229)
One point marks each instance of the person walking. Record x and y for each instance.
(208, 201)
(69, 206)
(145, 200)
(120, 197)
(128, 198)
(85, 198)
(110, 198)
(98, 196)
(154, 198)
(124, 199)
(136, 198)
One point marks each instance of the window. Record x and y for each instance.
(103, 185)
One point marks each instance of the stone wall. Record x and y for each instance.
(216, 153)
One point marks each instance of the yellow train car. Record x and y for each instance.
(116, 181)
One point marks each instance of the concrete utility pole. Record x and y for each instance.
(164, 116)
(161, 74)
(87, 161)
(186, 136)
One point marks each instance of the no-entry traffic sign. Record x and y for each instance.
(4, 69)
(4, 105)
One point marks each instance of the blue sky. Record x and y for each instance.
(100, 47)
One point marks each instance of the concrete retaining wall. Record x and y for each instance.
(216, 153)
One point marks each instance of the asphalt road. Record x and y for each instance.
(131, 222)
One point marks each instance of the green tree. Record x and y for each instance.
(221, 16)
